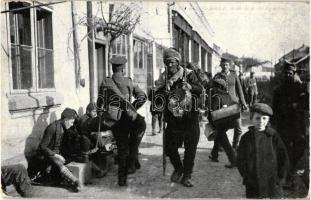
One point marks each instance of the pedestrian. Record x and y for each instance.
(290, 102)
(243, 85)
(127, 125)
(262, 157)
(235, 91)
(16, 175)
(182, 122)
(252, 90)
(156, 114)
(221, 99)
(51, 148)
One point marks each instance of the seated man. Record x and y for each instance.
(50, 148)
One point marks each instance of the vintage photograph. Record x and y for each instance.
(154, 99)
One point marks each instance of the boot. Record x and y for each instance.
(186, 181)
(71, 179)
(175, 177)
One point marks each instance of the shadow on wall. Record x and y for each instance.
(33, 140)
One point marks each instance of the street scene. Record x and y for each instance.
(130, 100)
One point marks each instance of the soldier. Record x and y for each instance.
(235, 91)
(129, 128)
(180, 129)
(252, 90)
(50, 148)
(290, 100)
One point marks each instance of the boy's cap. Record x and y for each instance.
(262, 109)
(69, 113)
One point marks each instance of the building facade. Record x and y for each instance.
(56, 56)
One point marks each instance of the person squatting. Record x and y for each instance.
(266, 160)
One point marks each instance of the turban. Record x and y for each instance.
(288, 66)
(171, 54)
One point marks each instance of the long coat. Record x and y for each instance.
(262, 161)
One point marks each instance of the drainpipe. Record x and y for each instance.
(90, 45)
(75, 44)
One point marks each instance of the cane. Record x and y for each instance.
(164, 127)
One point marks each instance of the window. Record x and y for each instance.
(138, 54)
(119, 46)
(181, 43)
(32, 58)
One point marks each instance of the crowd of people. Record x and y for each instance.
(267, 155)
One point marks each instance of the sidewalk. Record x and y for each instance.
(211, 180)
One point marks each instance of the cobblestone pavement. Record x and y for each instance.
(212, 180)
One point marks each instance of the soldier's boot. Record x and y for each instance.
(186, 180)
(122, 177)
(71, 179)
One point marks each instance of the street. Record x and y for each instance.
(211, 180)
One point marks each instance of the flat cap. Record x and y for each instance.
(262, 109)
(170, 54)
(288, 66)
(118, 60)
(69, 113)
(220, 81)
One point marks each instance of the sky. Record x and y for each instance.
(264, 30)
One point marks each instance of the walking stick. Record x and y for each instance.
(164, 127)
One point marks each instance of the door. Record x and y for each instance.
(100, 63)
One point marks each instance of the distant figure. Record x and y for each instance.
(252, 89)
(244, 85)
(156, 112)
(262, 157)
(16, 175)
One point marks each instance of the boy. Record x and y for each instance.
(262, 157)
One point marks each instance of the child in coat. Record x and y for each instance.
(262, 158)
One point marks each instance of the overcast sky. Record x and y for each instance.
(262, 30)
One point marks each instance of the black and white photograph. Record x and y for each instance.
(155, 99)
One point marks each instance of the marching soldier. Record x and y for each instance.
(236, 93)
(181, 129)
(128, 126)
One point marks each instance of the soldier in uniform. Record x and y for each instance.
(236, 93)
(290, 100)
(252, 90)
(180, 129)
(129, 129)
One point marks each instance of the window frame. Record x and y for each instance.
(34, 52)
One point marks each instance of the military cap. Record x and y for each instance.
(288, 66)
(118, 60)
(170, 54)
(69, 113)
(225, 59)
(91, 106)
(262, 109)
(221, 82)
